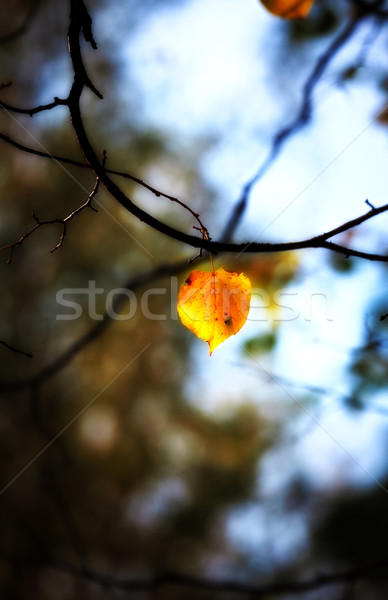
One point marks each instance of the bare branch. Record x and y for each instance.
(280, 588)
(168, 270)
(63, 222)
(77, 23)
(24, 237)
(355, 222)
(214, 246)
(59, 363)
(352, 252)
(369, 6)
(70, 161)
(36, 109)
(80, 20)
(80, 81)
(275, 589)
(15, 349)
(304, 113)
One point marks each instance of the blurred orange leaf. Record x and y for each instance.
(288, 9)
(214, 305)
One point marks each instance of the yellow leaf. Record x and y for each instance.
(214, 305)
(289, 9)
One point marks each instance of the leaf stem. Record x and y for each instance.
(211, 260)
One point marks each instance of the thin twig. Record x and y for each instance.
(63, 222)
(65, 358)
(214, 246)
(304, 113)
(81, 80)
(70, 161)
(205, 236)
(36, 109)
(80, 21)
(15, 349)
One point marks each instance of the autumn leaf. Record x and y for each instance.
(288, 9)
(214, 305)
(269, 275)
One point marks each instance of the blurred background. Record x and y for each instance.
(142, 455)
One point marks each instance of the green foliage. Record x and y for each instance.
(261, 344)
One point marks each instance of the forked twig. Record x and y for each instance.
(63, 222)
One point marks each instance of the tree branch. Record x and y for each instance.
(275, 589)
(304, 113)
(36, 109)
(15, 349)
(63, 222)
(70, 161)
(59, 363)
(281, 588)
(81, 81)
(218, 247)
(79, 22)
(168, 270)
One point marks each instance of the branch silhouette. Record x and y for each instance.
(165, 270)
(80, 22)
(36, 109)
(75, 163)
(16, 350)
(305, 111)
(63, 222)
(319, 241)
(60, 362)
(370, 570)
(81, 25)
